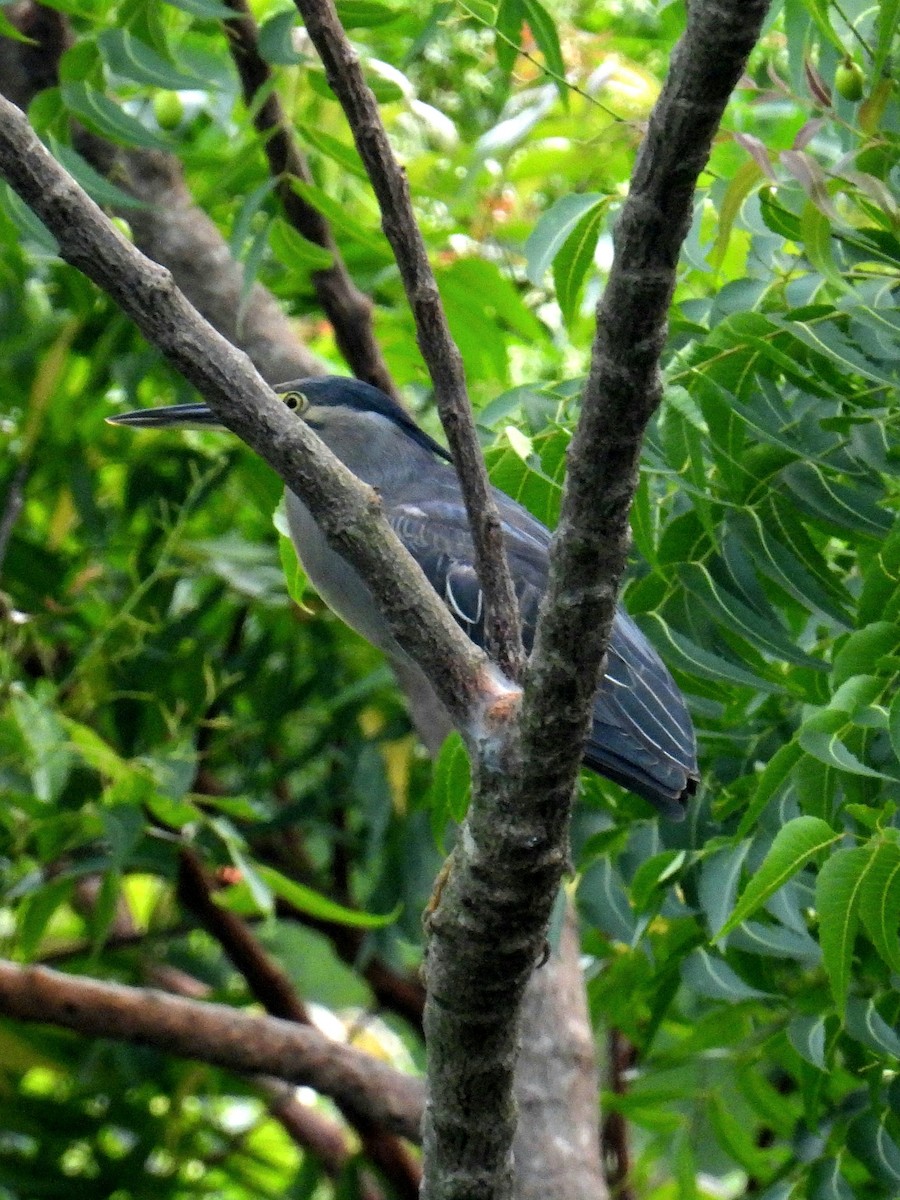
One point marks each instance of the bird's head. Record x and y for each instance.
(357, 421)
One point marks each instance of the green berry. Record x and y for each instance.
(123, 227)
(168, 109)
(849, 80)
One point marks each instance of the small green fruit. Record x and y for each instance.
(123, 227)
(168, 110)
(849, 80)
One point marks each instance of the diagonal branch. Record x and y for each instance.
(216, 1034)
(348, 309)
(442, 357)
(347, 511)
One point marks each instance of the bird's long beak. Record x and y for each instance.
(175, 416)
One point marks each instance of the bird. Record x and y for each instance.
(641, 734)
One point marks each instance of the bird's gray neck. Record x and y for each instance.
(373, 447)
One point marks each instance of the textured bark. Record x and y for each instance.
(442, 357)
(557, 1146)
(217, 1034)
(489, 923)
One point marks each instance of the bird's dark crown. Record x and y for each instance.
(340, 391)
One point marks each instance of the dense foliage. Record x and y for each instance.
(159, 689)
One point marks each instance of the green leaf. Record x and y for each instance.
(816, 231)
(780, 564)
(652, 874)
(340, 152)
(709, 975)
(861, 652)
(792, 848)
(316, 905)
(894, 725)
(451, 785)
(543, 30)
(133, 59)
(210, 9)
(773, 776)
(50, 759)
(827, 1183)
(734, 614)
(679, 651)
(108, 119)
(553, 229)
(742, 183)
(879, 903)
(575, 258)
(838, 892)
(508, 33)
(838, 506)
(98, 754)
(295, 251)
(868, 1139)
(807, 1035)
(819, 737)
(365, 14)
(717, 887)
(866, 1025)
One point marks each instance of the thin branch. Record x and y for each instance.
(347, 511)
(489, 923)
(442, 357)
(217, 1034)
(348, 309)
(265, 978)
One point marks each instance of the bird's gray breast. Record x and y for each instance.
(335, 580)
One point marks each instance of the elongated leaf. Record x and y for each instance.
(791, 849)
(718, 883)
(838, 892)
(552, 231)
(211, 9)
(739, 617)
(543, 30)
(106, 118)
(294, 250)
(879, 904)
(781, 566)
(838, 506)
(868, 1139)
(316, 905)
(866, 1024)
(820, 737)
(807, 1036)
(575, 259)
(451, 786)
(711, 976)
(827, 1183)
(826, 338)
(773, 776)
(775, 941)
(133, 59)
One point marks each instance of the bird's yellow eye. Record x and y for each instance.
(296, 401)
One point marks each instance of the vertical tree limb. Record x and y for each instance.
(488, 925)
